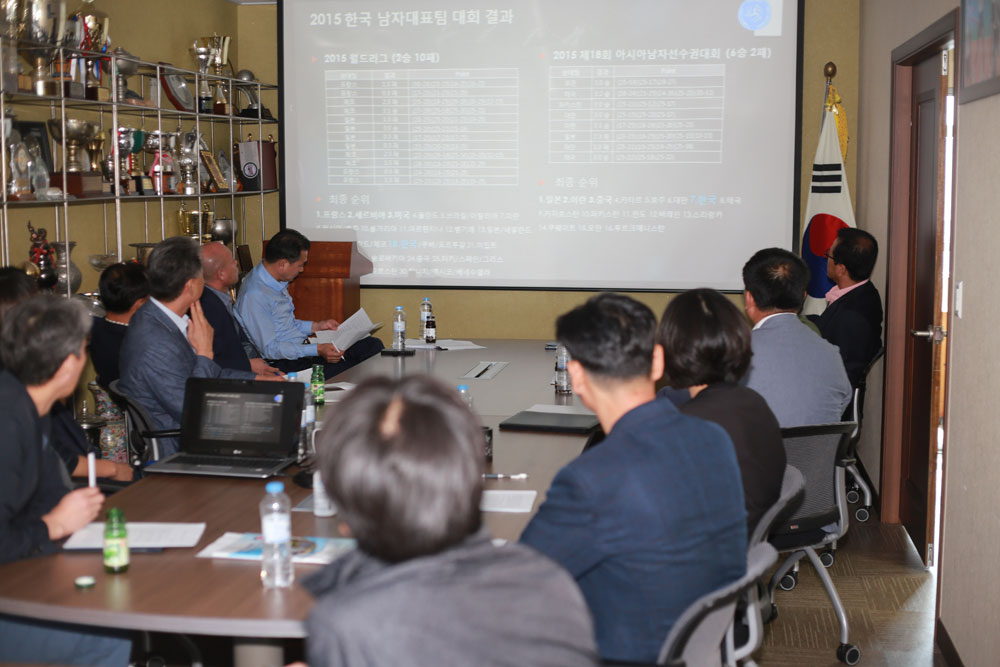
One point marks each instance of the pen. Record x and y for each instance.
(496, 475)
(91, 474)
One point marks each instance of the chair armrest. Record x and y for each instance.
(172, 433)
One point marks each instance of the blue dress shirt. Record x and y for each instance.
(268, 315)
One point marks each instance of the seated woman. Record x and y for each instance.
(123, 289)
(706, 348)
(426, 585)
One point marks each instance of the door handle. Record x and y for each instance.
(933, 334)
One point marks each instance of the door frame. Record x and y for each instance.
(929, 41)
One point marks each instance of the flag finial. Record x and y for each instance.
(830, 70)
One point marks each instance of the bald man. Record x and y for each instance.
(231, 346)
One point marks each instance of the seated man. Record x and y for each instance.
(706, 350)
(404, 468)
(164, 346)
(266, 310)
(231, 345)
(800, 375)
(123, 289)
(853, 319)
(652, 518)
(43, 348)
(67, 437)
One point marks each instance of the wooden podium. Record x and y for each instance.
(330, 286)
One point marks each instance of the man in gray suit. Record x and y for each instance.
(800, 375)
(164, 345)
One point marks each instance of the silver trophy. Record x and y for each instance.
(188, 162)
(42, 29)
(78, 133)
(125, 65)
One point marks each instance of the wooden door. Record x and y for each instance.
(921, 406)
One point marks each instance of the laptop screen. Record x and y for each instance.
(241, 417)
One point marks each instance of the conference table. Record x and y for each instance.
(176, 592)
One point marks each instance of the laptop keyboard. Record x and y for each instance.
(227, 461)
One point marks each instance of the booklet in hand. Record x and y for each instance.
(350, 331)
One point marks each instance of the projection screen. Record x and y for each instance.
(633, 144)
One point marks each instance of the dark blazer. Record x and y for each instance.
(756, 436)
(854, 324)
(156, 361)
(31, 483)
(227, 346)
(106, 340)
(646, 522)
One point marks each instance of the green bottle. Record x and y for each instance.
(115, 542)
(318, 384)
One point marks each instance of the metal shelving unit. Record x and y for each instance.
(156, 113)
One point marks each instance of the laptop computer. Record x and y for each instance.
(236, 428)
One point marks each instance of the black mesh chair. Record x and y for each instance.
(857, 487)
(698, 638)
(749, 611)
(140, 436)
(820, 453)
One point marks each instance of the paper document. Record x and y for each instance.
(443, 344)
(249, 546)
(507, 501)
(141, 535)
(350, 331)
(561, 409)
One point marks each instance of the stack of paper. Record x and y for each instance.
(141, 535)
(249, 546)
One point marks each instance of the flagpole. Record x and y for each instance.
(829, 71)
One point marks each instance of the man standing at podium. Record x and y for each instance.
(267, 312)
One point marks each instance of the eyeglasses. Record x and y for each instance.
(829, 257)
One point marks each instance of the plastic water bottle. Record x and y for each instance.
(307, 425)
(563, 385)
(399, 329)
(463, 393)
(322, 505)
(426, 311)
(276, 525)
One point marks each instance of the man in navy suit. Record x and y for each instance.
(164, 345)
(653, 517)
(853, 319)
(231, 345)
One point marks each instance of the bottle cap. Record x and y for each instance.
(274, 487)
(427, 298)
(399, 308)
(85, 581)
(463, 387)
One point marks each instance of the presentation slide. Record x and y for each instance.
(634, 144)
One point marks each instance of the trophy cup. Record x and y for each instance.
(125, 65)
(42, 25)
(221, 104)
(204, 55)
(188, 163)
(78, 132)
(94, 25)
(160, 145)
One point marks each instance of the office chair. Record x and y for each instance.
(820, 453)
(140, 437)
(749, 612)
(699, 637)
(856, 484)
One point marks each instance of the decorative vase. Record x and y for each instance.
(65, 268)
(113, 445)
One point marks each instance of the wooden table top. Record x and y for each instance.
(175, 592)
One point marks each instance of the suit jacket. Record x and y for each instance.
(647, 522)
(854, 324)
(227, 344)
(800, 375)
(756, 437)
(156, 361)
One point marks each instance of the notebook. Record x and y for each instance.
(236, 428)
(552, 419)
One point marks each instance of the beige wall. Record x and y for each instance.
(970, 606)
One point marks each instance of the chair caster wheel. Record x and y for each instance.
(826, 558)
(853, 496)
(862, 514)
(849, 654)
(789, 581)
